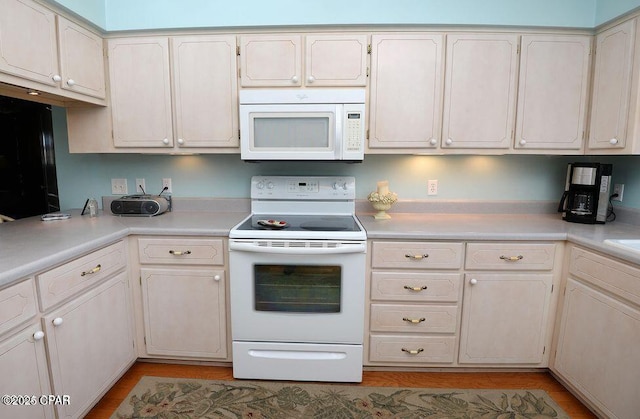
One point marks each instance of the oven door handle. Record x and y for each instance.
(340, 249)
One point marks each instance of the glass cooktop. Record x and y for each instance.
(300, 223)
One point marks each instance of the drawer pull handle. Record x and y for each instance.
(413, 351)
(415, 288)
(512, 258)
(92, 271)
(416, 257)
(180, 253)
(414, 321)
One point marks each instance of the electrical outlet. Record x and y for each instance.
(618, 188)
(432, 187)
(166, 183)
(141, 187)
(119, 187)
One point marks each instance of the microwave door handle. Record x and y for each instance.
(344, 249)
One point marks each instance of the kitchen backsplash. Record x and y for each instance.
(468, 178)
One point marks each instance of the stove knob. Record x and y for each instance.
(340, 186)
(270, 185)
(260, 185)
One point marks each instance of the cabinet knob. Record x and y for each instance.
(57, 321)
(473, 281)
(433, 141)
(311, 79)
(523, 142)
(449, 141)
(294, 79)
(613, 141)
(180, 141)
(165, 141)
(217, 278)
(71, 82)
(38, 335)
(56, 78)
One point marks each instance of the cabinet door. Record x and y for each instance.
(140, 92)
(552, 94)
(480, 90)
(270, 60)
(612, 86)
(504, 318)
(598, 350)
(406, 91)
(90, 344)
(28, 46)
(205, 91)
(81, 59)
(185, 312)
(23, 363)
(335, 60)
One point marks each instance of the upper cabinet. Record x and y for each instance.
(612, 83)
(281, 61)
(201, 111)
(552, 94)
(406, 91)
(63, 59)
(480, 91)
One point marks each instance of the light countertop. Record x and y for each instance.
(29, 246)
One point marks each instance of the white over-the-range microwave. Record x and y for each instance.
(302, 124)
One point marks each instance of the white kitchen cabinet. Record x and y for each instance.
(406, 91)
(140, 92)
(183, 295)
(480, 91)
(81, 59)
(505, 312)
(599, 333)
(552, 94)
(66, 59)
(611, 91)
(205, 91)
(90, 344)
(278, 60)
(23, 363)
(414, 309)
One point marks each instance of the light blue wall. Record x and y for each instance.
(537, 178)
(607, 10)
(94, 11)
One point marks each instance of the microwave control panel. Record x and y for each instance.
(353, 131)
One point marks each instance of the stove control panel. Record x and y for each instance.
(303, 187)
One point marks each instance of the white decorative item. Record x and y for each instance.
(382, 200)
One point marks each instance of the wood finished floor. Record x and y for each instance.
(530, 380)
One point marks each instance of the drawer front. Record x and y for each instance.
(415, 286)
(17, 305)
(417, 255)
(181, 251)
(510, 256)
(619, 278)
(413, 318)
(412, 349)
(64, 281)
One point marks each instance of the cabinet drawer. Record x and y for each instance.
(69, 279)
(413, 318)
(415, 286)
(416, 255)
(181, 251)
(510, 256)
(619, 278)
(414, 349)
(17, 305)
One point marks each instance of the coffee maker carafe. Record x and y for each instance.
(586, 196)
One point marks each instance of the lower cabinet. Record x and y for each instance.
(598, 345)
(184, 312)
(90, 343)
(23, 363)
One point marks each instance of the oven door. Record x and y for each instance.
(297, 291)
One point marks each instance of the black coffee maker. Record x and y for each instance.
(586, 196)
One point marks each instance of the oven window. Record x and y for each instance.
(297, 288)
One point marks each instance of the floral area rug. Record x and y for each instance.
(157, 397)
